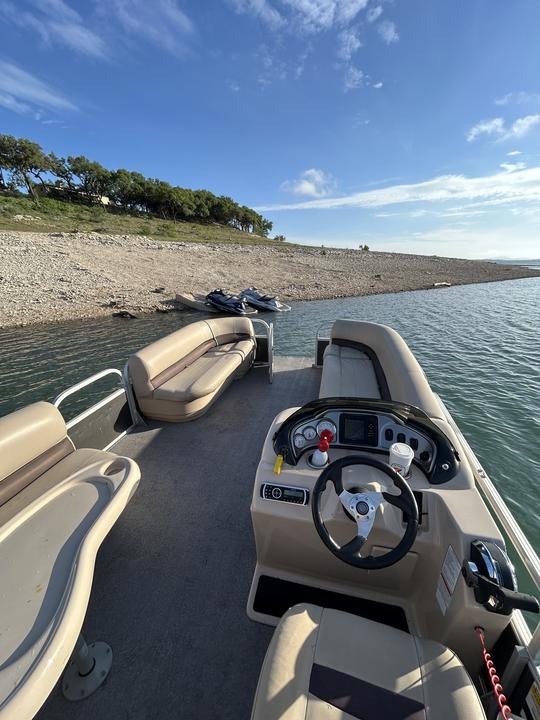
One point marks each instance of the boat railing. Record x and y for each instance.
(269, 333)
(102, 424)
(509, 524)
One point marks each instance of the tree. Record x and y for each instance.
(280, 238)
(94, 179)
(23, 159)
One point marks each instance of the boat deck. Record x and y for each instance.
(172, 578)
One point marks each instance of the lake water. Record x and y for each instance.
(479, 346)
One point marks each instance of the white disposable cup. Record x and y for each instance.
(401, 457)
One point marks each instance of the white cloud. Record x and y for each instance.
(348, 44)
(55, 22)
(374, 13)
(160, 22)
(513, 153)
(486, 127)
(233, 85)
(521, 98)
(22, 92)
(354, 78)
(378, 85)
(503, 100)
(388, 31)
(512, 167)
(260, 9)
(309, 16)
(312, 182)
(498, 189)
(522, 126)
(498, 128)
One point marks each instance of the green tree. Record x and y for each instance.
(24, 160)
(94, 179)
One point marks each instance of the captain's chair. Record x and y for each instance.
(329, 665)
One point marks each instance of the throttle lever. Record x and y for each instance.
(493, 597)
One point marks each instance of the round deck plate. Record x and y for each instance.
(74, 686)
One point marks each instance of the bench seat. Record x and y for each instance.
(54, 515)
(178, 377)
(369, 360)
(347, 372)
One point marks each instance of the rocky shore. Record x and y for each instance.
(65, 276)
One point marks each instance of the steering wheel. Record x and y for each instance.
(362, 506)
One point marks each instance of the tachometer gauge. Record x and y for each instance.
(299, 441)
(326, 424)
(310, 433)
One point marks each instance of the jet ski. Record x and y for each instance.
(263, 302)
(228, 303)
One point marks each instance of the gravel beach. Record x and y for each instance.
(65, 276)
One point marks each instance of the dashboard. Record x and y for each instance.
(367, 425)
(359, 430)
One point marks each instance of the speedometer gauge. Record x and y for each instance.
(299, 441)
(310, 433)
(326, 424)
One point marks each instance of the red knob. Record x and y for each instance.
(327, 435)
(324, 445)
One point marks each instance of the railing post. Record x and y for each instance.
(87, 669)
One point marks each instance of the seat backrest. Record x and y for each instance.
(405, 380)
(156, 363)
(32, 440)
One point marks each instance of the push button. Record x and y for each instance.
(413, 442)
(389, 434)
(277, 493)
(401, 437)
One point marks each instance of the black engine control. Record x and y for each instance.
(491, 574)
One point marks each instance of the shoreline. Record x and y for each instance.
(56, 277)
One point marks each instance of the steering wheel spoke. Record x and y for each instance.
(362, 508)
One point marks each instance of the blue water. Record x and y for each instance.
(479, 345)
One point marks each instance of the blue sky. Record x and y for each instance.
(409, 125)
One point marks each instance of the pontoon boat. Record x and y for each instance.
(374, 589)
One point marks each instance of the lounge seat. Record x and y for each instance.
(328, 665)
(56, 506)
(369, 360)
(178, 377)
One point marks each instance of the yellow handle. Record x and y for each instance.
(278, 464)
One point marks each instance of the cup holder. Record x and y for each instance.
(114, 468)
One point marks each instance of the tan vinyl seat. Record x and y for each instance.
(329, 665)
(56, 506)
(178, 377)
(370, 360)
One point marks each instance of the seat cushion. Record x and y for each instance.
(347, 372)
(206, 374)
(329, 665)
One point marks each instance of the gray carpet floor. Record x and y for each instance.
(172, 578)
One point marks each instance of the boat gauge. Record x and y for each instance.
(326, 424)
(310, 433)
(299, 441)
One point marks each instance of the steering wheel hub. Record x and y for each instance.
(361, 507)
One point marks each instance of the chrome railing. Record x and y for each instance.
(269, 332)
(125, 388)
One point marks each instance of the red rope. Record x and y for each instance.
(506, 713)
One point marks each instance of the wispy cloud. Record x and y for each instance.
(513, 153)
(374, 13)
(312, 182)
(308, 16)
(512, 167)
(378, 85)
(520, 98)
(497, 189)
(354, 78)
(497, 128)
(54, 22)
(22, 92)
(161, 22)
(348, 44)
(233, 85)
(388, 31)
